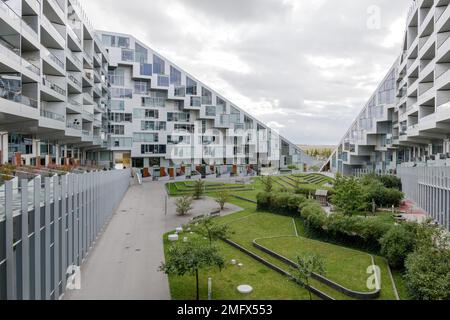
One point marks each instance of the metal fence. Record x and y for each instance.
(429, 187)
(51, 226)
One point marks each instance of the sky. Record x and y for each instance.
(304, 67)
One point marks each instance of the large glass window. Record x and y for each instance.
(116, 129)
(117, 77)
(159, 65)
(117, 105)
(153, 149)
(127, 55)
(178, 139)
(121, 93)
(206, 96)
(120, 117)
(141, 54)
(109, 41)
(141, 87)
(175, 76)
(145, 137)
(196, 102)
(178, 117)
(123, 42)
(145, 114)
(153, 125)
(163, 81)
(190, 128)
(146, 69)
(191, 87)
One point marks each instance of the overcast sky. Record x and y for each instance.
(305, 67)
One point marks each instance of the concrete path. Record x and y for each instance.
(124, 262)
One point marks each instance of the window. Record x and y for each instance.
(145, 114)
(145, 137)
(121, 117)
(210, 111)
(116, 129)
(121, 142)
(117, 105)
(175, 76)
(159, 65)
(153, 149)
(141, 87)
(221, 106)
(196, 102)
(185, 128)
(127, 55)
(180, 91)
(117, 77)
(191, 87)
(146, 69)
(163, 81)
(178, 117)
(123, 42)
(121, 93)
(153, 126)
(178, 140)
(153, 102)
(141, 54)
(109, 41)
(206, 96)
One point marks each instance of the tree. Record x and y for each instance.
(398, 243)
(208, 228)
(199, 189)
(189, 258)
(222, 198)
(267, 183)
(349, 196)
(184, 205)
(306, 267)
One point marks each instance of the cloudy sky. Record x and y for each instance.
(305, 67)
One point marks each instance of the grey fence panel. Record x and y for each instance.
(25, 242)
(37, 239)
(54, 231)
(429, 187)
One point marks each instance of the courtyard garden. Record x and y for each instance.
(279, 225)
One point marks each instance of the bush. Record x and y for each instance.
(383, 196)
(398, 243)
(199, 189)
(222, 198)
(391, 182)
(364, 232)
(284, 203)
(349, 196)
(184, 205)
(428, 274)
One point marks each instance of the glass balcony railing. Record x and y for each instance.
(53, 86)
(72, 125)
(52, 115)
(53, 58)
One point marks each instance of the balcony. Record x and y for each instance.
(54, 60)
(74, 59)
(53, 116)
(55, 38)
(87, 136)
(75, 81)
(54, 87)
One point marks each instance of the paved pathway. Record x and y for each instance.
(124, 262)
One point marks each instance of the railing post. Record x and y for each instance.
(70, 223)
(25, 242)
(64, 251)
(47, 235)
(56, 233)
(11, 290)
(37, 238)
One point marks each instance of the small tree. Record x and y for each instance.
(199, 189)
(398, 243)
(267, 183)
(222, 198)
(349, 196)
(184, 205)
(306, 267)
(189, 258)
(208, 228)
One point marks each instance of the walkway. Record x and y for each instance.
(124, 263)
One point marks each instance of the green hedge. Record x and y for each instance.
(284, 203)
(355, 230)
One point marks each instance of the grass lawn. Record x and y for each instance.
(343, 265)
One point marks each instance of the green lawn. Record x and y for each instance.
(343, 265)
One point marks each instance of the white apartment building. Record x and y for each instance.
(165, 120)
(407, 120)
(53, 84)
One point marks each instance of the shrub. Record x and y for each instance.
(284, 203)
(383, 196)
(391, 182)
(184, 205)
(349, 196)
(398, 243)
(267, 183)
(199, 189)
(222, 198)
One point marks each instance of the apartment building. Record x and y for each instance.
(165, 120)
(53, 84)
(407, 120)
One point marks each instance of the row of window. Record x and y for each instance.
(153, 149)
(121, 117)
(178, 117)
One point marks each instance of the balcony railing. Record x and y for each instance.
(52, 115)
(53, 86)
(54, 58)
(72, 125)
